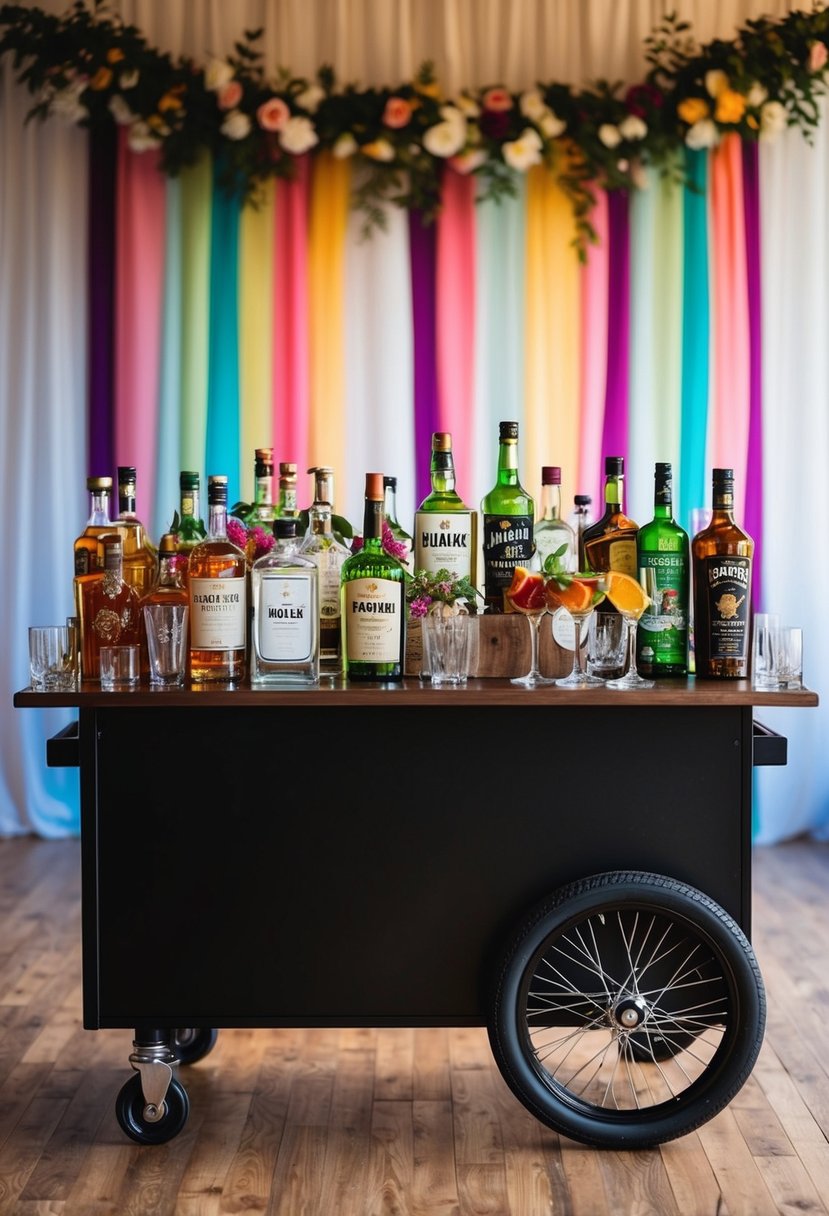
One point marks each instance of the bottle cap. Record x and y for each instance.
(374, 486)
(663, 468)
(550, 475)
(167, 545)
(287, 470)
(441, 441)
(263, 461)
(390, 483)
(582, 500)
(508, 430)
(126, 472)
(264, 454)
(614, 466)
(323, 484)
(217, 490)
(283, 529)
(188, 480)
(99, 483)
(722, 476)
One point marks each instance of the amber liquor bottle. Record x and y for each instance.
(140, 558)
(99, 522)
(108, 608)
(722, 557)
(610, 543)
(217, 578)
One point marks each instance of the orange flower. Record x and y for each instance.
(692, 109)
(169, 101)
(730, 107)
(101, 80)
(115, 55)
(398, 112)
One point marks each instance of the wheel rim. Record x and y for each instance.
(624, 1010)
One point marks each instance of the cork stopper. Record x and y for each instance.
(374, 487)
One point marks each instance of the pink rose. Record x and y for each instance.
(497, 100)
(229, 95)
(398, 112)
(273, 114)
(818, 56)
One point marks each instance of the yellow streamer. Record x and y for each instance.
(256, 254)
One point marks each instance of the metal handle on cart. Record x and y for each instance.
(769, 747)
(62, 750)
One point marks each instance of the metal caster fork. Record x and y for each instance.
(152, 1106)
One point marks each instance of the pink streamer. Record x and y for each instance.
(291, 401)
(593, 357)
(455, 290)
(139, 286)
(731, 405)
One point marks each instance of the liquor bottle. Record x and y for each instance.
(99, 522)
(287, 508)
(108, 608)
(508, 512)
(140, 558)
(665, 573)
(445, 529)
(390, 515)
(372, 600)
(722, 555)
(610, 543)
(188, 526)
(580, 519)
(286, 619)
(550, 531)
(327, 554)
(169, 587)
(216, 580)
(263, 509)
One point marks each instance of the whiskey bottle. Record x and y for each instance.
(99, 522)
(328, 554)
(287, 506)
(140, 558)
(610, 543)
(263, 508)
(188, 525)
(665, 573)
(217, 589)
(551, 532)
(372, 600)
(284, 588)
(722, 555)
(508, 512)
(108, 608)
(445, 529)
(390, 515)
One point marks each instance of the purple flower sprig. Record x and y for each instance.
(254, 539)
(424, 588)
(394, 548)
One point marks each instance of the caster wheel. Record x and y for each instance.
(193, 1044)
(131, 1113)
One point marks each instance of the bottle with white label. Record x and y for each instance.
(286, 624)
(446, 530)
(217, 586)
(372, 600)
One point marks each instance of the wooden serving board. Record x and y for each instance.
(503, 648)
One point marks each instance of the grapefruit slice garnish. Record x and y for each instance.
(526, 591)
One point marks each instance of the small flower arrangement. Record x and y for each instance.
(253, 538)
(429, 592)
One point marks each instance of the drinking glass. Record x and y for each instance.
(448, 644)
(119, 667)
(765, 650)
(631, 679)
(166, 627)
(51, 659)
(789, 663)
(606, 645)
(578, 677)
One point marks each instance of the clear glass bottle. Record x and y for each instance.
(610, 543)
(217, 576)
(665, 573)
(140, 557)
(287, 506)
(328, 554)
(390, 515)
(108, 608)
(263, 508)
(286, 619)
(508, 512)
(722, 558)
(550, 531)
(372, 600)
(580, 519)
(188, 525)
(99, 522)
(445, 529)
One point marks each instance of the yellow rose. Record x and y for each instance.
(115, 55)
(169, 101)
(692, 109)
(101, 80)
(429, 88)
(730, 106)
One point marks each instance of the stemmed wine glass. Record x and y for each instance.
(631, 679)
(579, 594)
(527, 597)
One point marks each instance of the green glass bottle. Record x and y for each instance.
(664, 572)
(446, 530)
(373, 608)
(508, 512)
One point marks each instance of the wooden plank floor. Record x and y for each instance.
(390, 1122)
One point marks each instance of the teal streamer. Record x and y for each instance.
(222, 446)
(169, 387)
(695, 339)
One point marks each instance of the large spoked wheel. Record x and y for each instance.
(193, 1043)
(628, 1010)
(147, 1125)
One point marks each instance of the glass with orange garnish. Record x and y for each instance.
(630, 599)
(579, 594)
(526, 594)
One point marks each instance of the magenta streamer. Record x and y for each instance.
(100, 444)
(754, 463)
(615, 429)
(423, 258)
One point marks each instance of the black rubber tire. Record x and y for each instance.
(652, 948)
(129, 1111)
(192, 1044)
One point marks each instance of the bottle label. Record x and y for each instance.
(217, 613)
(284, 624)
(508, 542)
(728, 586)
(622, 554)
(329, 563)
(663, 628)
(188, 503)
(374, 611)
(81, 562)
(444, 542)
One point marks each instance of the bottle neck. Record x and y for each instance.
(614, 492)
(723, 504)
(373, 525)
(99, 507)
(287, 500)
(443, 473)
(217, 521)
(189, 504)
(550, 502)
(285, 545)
(390, 505)
(169, 574)
(263, 493)
(507, 462)
(113, 562)
(126, 504)
(320, 518)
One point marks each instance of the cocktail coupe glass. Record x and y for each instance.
(631, 679)
(579, 677)
(529, 601)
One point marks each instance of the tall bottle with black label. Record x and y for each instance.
(722, 557)
(508, 512)
(665, 573)
(373, 601)
(216, 582)
(446, 530)
(610, 543)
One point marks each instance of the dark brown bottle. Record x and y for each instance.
(722, 557)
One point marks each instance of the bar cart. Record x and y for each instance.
(571, 870)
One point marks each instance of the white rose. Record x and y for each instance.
(525, 151)
(756, 95)
(532, 105)
(609, 135)
(120, 111)
(129, 79)
(345, 146)
(298, 135)
(217, 74)
(66, 103)
(444, 139)
(633, 127)
(455, 118)
(311, 98)
(468, 106)
(551, 125)
(236, 125)
(141, 138)
(715, 82)
(772, 119)
(702, 134)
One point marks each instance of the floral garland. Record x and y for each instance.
(93, 70)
